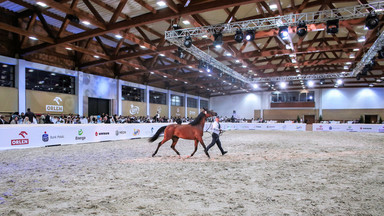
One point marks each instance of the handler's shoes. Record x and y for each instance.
(225, 152)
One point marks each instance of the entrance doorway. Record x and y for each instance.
(98, 106)
(370, 119)
(309, 119)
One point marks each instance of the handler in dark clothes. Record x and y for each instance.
(215, 136)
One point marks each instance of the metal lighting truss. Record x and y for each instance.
(379, 43)
(177, 36)
(304, 77)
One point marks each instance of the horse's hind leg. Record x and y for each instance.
(158, 146)
(205, 148)
(196, 143)
(175, 139)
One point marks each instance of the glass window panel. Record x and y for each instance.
(192, 102)
(7, 75)
(132, 93)
(49, 81)
(157, 97)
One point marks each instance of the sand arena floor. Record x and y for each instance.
(264, 173)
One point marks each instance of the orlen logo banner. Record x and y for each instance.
(55, 108)
(20, 141)
(136, 132)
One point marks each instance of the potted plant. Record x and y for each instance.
(380, 120)
(320, 119)
(298, 119)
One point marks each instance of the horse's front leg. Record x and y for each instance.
(196, 144)
(205, 148)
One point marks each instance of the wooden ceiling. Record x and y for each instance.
(125, 39)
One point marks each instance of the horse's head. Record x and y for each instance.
(209, 113)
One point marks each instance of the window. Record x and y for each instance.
(50, 82)
(132, 94)
(192, 102)
(157, 97)
(287, 97)
(7, 76)
(204, 104)
(177, 100)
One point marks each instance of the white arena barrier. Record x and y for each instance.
(27, 136)
(371, 128)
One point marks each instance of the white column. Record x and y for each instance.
(147, 98)
(80, 93)
(186, 105)
(119, 97)
(198, 103)
(320, 102)
(169, 92)
(20, 84)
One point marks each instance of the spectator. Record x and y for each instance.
(2, 120)
(42, 119)
(26, 120)
(30, 115)
(15, 120)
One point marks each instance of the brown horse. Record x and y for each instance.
(191, 131)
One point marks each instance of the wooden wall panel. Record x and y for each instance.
(8, 100)
(288, 114)
(177, 111)
(163, 109)
(256, 114)
(134, 108)
(349, 114)
(38, 100)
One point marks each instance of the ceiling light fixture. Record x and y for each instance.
(283, 32)
(301, 29)
(188, 41)
(372, 20)
(250, 35)
(239, 36)
(161, 3)
(332, 26)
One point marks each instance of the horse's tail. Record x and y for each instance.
(160, 131)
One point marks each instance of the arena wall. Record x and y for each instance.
(8, 98)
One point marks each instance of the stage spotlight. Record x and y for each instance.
(372, 20)
(283, 84)
(250, 35)
(180, 53)
(358, 76)
(371, 64)
(310, 83)
(322, 81)
(301, 28)
(177, 28)
(339, 81)
(380, 53)
(239, 36)
(332, 26)
(218, 40)
(283, 32)
(188, 41)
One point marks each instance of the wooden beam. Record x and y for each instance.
(163, 14)
(118, 10)
(94, 11)
(146, 5)
(10, 28)
(172, 6)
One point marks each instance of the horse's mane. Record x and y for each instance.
(198, 119)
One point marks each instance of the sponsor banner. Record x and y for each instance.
(26, 136)
(259, 126)
(370, 128)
